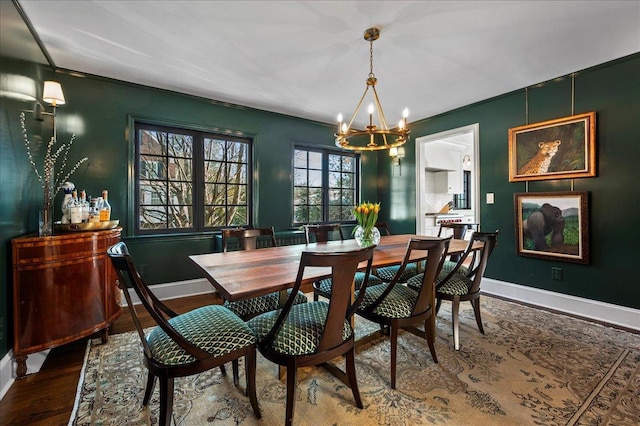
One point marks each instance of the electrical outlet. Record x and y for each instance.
(556, 274)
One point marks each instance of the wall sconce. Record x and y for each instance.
(466, 161)
(53, 95)
(396, 153)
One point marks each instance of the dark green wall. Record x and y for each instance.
(611, 90)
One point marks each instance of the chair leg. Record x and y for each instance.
(223, 370)
(151, 382)
(236, 373)
(350, 361)
(455, 308)
(394, 350)
(291, 392)
(166, 401)
(476, 310)
(250, 374)
(430, 334)
(438, 304)
(315, 296)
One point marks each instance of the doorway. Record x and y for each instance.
(461, 142)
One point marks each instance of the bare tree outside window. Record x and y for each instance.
(171, 162)
(325, 185)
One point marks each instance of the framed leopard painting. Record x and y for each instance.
(563, 148)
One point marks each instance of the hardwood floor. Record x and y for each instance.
(46, 398)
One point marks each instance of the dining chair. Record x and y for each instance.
(393, 305)
(323, 234)
(316, 332)
(247, 239)
(459, 232)
(184, 344)
(386, 273)
(463, 283)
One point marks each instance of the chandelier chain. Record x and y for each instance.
(371, 74)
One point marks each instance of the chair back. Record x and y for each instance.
(343, 269)
(383, 227)
(247, 238)
(129, 277)
(481, 256)
(323, 233)
(434, 251)
(459, 230)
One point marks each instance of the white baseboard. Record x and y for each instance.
(8, 368)
(174, 290)
(607, 313)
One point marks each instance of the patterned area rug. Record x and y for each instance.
(531, 367)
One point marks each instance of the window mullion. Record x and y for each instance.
(198, 181)
(325, 186)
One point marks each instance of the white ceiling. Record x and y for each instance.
(309, 59)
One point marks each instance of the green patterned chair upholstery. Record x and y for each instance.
(301, 331)
(323, 287)
(248, 240)
(467, 258)
(249, 308)
(415, 282)
(315, 332)
(387, 273)
(185, 344)
(395, 305)
(322, 234)
(464, 283)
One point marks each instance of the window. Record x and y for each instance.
(189, 181)
(324, 185)
(463, 201)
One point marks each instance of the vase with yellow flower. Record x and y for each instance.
(365, 233)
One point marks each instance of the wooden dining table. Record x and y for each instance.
(239, 275)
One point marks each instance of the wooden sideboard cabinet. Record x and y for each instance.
(64, 289)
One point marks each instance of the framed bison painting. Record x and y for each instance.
(553, 225)
(555, 149)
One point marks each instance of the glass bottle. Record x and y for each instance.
(84, 204)
(94, 210)
(75, 209)
(105, 207)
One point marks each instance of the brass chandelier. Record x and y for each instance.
(373, 137)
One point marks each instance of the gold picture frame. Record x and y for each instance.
(553, 225)
(556, 149)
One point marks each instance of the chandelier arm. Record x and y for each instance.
(381, 117)
(355, 113)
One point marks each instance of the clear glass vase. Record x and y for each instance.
(45, 220)
(366, 237)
